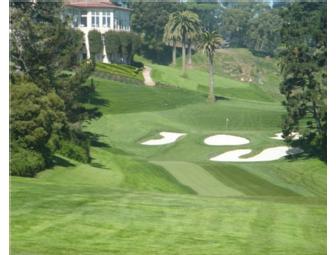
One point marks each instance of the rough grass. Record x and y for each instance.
(197, 80)
(241, 64)
(171, 199)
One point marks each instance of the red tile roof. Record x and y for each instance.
(95, 5)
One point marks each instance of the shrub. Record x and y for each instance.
(71, 150)
(121, 46)
(95, 44)
(112, 46)
(25, 162)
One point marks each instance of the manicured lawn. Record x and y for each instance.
(54, 218)
(135, 199)
(115, 97)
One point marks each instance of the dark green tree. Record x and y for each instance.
(148, 20)
(263, 33)
(34, 118)
(208, 13)
(303, 65)
(42, 44)
(234, 26)
(45, 68)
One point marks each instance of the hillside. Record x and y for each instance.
(242, 65)
(171, 199)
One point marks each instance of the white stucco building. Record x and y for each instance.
(99, 15)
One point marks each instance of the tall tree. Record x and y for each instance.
(170, 37)
(191, 42)
(303, 65)
(185, 24)
(42, 43)
(209, 42)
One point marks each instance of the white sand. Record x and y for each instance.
(220, 140)
(167, 137)
(293, 136)
(269, 154)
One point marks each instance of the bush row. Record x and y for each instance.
(120, 46)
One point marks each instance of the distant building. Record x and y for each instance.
(97, 15)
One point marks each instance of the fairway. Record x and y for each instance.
(168, 199)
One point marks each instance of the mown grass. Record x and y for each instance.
(51, 218)
(115, 97)
(134, 199)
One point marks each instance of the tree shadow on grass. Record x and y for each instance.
(95, 140)
(97, 100)
(118, 151)
(58, 161)
(94, 99)
(98, 165)
(308, 152)
(220, 98)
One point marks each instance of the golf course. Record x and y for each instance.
(139, 196)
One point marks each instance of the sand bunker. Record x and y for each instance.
(167, 137)
(220, 140)
(293, 136)
(269, 154)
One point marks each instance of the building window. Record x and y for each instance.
(95, 19)
(75, 18)
(83, 18)
(116, 22)
(106, 19)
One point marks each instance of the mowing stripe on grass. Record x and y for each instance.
(197, 178)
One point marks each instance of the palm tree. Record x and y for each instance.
(209, 42)
(170, 37)
(192, 38)
(184, 24)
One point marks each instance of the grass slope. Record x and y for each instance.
(135, 199)
(115, 97)
(120, 70)
(242, 65)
